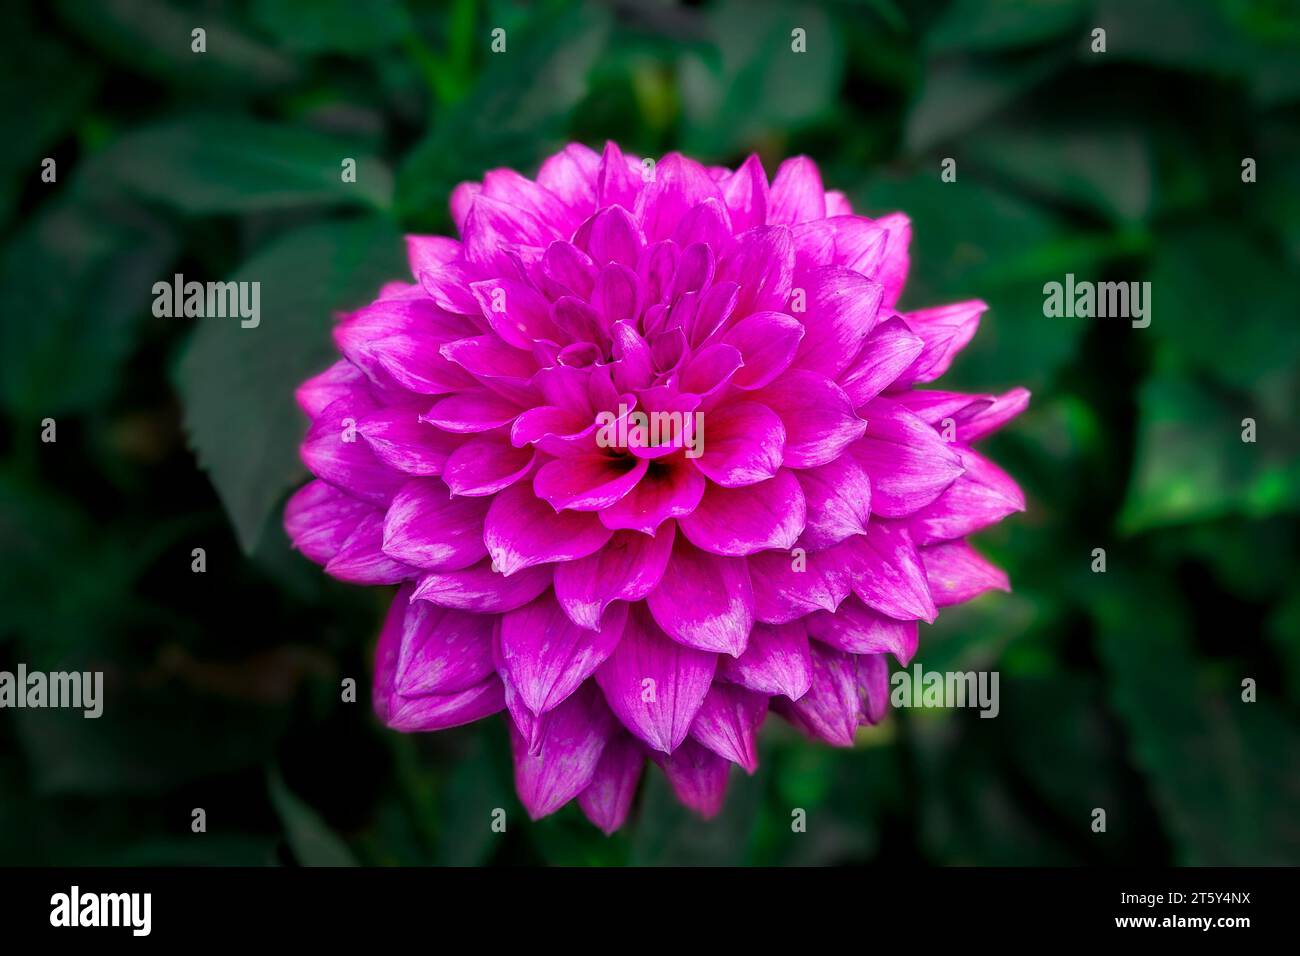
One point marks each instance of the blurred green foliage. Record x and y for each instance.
(1120, 690)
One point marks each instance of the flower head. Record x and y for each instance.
(644, 452)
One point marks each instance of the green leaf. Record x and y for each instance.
(153, 37)
(237, 383)
(1222, 771)
(1003, 24)
(960, 93)
(1105, 168)
(515, 114)
(1192, 464)
(752, 86)
(1224, 303)
(312, 841)
(332, 26)
(204, 165)
(73, 284)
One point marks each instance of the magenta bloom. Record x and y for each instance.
(488, 442)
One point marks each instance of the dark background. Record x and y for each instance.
(1119, 691)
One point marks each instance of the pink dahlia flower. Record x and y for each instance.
(623, 593)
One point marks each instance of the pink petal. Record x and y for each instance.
(588, 482)
(745, 194)
(743, 444)
(565, 763)
(818, 417)
(318, 392)
(655, 685)
(842, 307)
(476, 410)
(704, 600)
(398, 340)
(425, 649)
(521, 530)
(833, 707)
(481, 589)
(797, 194)
(945, 331)
(777, 661)
(698, 777)
(670, 488)
(401, 440)
(608, 797)
(545, 656)
(628, 568)
(740, 521)
(783, 592)
(362, 560)
(856, 629)
(956, 572)
(909, 463)
(982, 496)
(886, 353)
(319, 519)
(728, 722)
(334, 451)
(429, 529)
(892, 271)
(838, 496)
(516, 311)
(762, 265)
(889, 575)
(486, 464)
(679, 185)
(767, 342)
(990, 418)
(618, 180)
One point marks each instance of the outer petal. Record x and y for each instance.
(982, 496)
(608, 797)
(332, 450)
(521, 531)
(427, 528)
(704, 600)
(886, 354)
(627, 569)
(728, 723)
(856, 629)
(424, 649)
(740, 521)
(698, 777)
(546, 656)
(655, 685)
(909, 464)
(797, 194)
(777, 661)
(483, 590)
(362, 560)
(945, 330)
(571, 747)
(833, 706)
(790, 585)
(889, 575)
(319, 519)
(956, 572)
(679, 185)
(402, 441)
